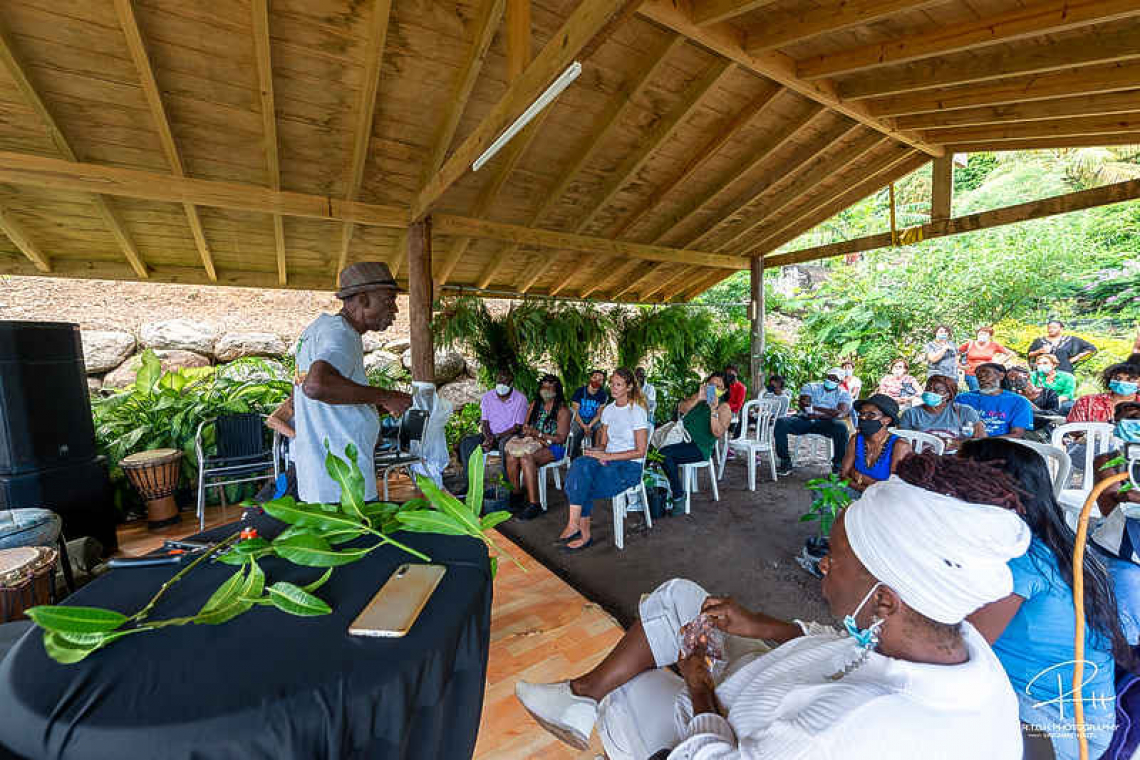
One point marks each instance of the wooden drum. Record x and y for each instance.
(27, 578)
(154, 474)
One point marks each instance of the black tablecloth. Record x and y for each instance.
(266, 684)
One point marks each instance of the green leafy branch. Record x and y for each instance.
(831, 497)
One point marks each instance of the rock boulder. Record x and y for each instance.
(462, 392)
(180, 334)
(125, 373)
(254, 368)
(398, 345)
(235, 345)
(382, 360)
(448, 365)
(104, 350)
(94, 384)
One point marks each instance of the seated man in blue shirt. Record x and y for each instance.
(823, 409)
(1004, 414)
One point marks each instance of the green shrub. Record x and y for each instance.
(463, 422)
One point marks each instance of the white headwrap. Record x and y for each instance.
(944, 557)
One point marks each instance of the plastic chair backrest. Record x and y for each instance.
(920, 441)
(746, 417)
(1098, 440)
(240, 435)
(1057, 459)
(783, 402)
(768, 412)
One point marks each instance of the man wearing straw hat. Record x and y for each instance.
(336, 406)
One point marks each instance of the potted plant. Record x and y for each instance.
(497, 494)
(656, 486)
(831, 494)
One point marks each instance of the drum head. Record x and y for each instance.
(147, 458)
(17, 564)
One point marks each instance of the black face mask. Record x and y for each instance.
(729, 380)
(869, 427)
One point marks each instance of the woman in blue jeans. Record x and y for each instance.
(704, 429)
(612, 465)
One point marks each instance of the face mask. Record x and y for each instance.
(1046, 368)
(1018, 383)
(983, 339)
(898, 371)
(503, 390)
(1128, 431)
(866, 638)
(547, 394)
(869, 427)
(830, 385)
(729, 379)
(1123, 387)
(932, 399)
(941, 336)
(848, 372)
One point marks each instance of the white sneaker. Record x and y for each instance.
(560, 711)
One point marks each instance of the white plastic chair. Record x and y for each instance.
(632, 499)
(759, 440)
(920, 441)
(1098, 440)
(552, 468)
(689, 478)
(783, 403)
(1057, 459)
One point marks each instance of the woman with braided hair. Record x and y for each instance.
(1032, 629)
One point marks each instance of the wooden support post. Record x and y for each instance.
(942, 188)
(420, 300)
(756, 312)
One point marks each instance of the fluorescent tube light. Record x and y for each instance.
(553, 91)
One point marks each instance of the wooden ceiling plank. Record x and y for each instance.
(1088, 125)
(664, 283)
(1081, 105)
(19, 75)
(518, 37)
(1038, 18)
(1046, 143)
(715, 11)
(727, 41)
(1086, 80)
(831, 17)
(1097, 47)
(137, 47)
(259, 10)
(650, 271)
(1039, 209)
(15, 232)
(617, 275)
(365, 112)
(711, 279)
(590, 18)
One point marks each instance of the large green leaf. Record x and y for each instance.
(64, 619)
(66, 652)
(150, 369)
(312, 550)
(430, 522)
(311, 587)
(450, 506)
(237, 602)
(494, 518)
(290, 511)
(296, 601)
(475, 473)
(347, 474)
(225, 593)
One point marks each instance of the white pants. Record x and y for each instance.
(644, 715)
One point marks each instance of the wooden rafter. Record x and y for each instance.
(1080, 105)
(110, 219)
(619, 274)
(365, 113)
(726, 40)
(15, 232)
(645, 275)
(137, 47)
(1044, 143)
(1087, 125)
(714, 11)
(1058, 204)
(665, 284)
(261, 49)
(704, 283)
(830, 17)
(1118, 42)
(1086, 80)
(590, 18)
(1038, 18)
(518, 37)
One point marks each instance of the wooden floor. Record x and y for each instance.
(541, 630)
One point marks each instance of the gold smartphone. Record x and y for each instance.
(394, 609)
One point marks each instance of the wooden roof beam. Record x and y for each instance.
(703, 284)
(15, 232)
(365, 114)
(1045, 143)
(1047, 17)
(1058, 204)
(1081, 105)
(259, 10)
(833, 16)
(1086, 80)
(714, 11)
(728, 41)
(619, 274)
(137, 47)
(110, 219)
(1118, 42)
(1089, 125)
(648, 273)
(590, 18)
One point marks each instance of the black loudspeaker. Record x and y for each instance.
(79, 493)
(45, 410)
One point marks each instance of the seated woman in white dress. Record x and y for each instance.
(908, 680)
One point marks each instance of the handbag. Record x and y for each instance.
(521, 447)
(670, 433)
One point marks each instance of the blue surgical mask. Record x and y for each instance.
(1128, 431)
(830, 385)
(867, 638)
(1123, 387)
(932, 399)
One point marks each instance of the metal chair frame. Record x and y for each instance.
(240, 469)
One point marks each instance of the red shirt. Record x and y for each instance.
(736, 396)
(977, 355)
(1096, 407)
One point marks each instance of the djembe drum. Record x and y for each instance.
(27, 578)
(154, 474)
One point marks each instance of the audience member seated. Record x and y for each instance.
(776, 387)
(900, 384)
(939, 415)
(981, 350)
(1118, 535)
(825, 409)
(1032, 629)
(905, 568)
(648, 391)
(851, 382)
(737, 390)
(704, 429)
(608, 467)
(1069, 349)
(542, 441)
(586, 404)
(503, 411)
(874, 452)
(1045, 404)
(941, 354)
(1120, 384)
(1003, 413)
(1048, 376)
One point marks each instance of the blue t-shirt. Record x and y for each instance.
(589, 403)
(1001, 412)
(1036, 648)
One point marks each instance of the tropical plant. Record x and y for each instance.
(571, 336)
(463, 423)
(71, 633)
(503, 341)
(830, 497)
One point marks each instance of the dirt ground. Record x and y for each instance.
(742, 545)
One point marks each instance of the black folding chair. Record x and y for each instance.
(243, 455)
(411, 431)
